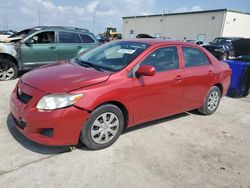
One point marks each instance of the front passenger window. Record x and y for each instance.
(163, 59)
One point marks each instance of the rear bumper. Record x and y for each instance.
(64, 124)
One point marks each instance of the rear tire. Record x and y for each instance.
(8, 70)
(103, 127)
(211, 101)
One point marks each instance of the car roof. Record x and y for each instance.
(61, 28)
(159, 41)
(229, 38)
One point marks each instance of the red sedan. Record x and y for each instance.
(117, 85)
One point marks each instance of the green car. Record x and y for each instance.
(43, 45)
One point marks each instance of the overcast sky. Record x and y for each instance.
(20, 14)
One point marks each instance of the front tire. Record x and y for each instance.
(103, 127)
(211, 101)
(8, 70)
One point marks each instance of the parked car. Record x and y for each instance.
(221, 47)
(198, 42)
(5, 34)
(119, 84)
(240, 65)
(43, 45)
(17, 36)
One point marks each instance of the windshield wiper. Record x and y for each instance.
(88, 64)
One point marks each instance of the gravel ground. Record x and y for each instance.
(186, 150)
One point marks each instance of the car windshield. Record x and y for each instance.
(21, 34)
(221, 41)
(112, 56)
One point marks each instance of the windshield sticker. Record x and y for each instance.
(126, 51)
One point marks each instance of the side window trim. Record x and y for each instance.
(94, 41)
(39, 32)
(131, 73)
(164, 47)
(75, 33)
(204, 57)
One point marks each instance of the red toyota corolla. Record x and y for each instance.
(117, 85)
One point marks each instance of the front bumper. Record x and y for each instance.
(64, 124)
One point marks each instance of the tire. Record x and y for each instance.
(8, 70)
(209, 107)
(98, 135)
(224, 56)
(245, 94)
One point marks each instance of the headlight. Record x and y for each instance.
(56, 101)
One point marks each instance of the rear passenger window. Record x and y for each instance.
(194, 57)
(87, 39)
(68, 37)
(163, 59)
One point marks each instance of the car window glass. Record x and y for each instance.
(44, 37)
(114, 56)
(68, 37)
(86, 38)
(194, 57)
(163, 59)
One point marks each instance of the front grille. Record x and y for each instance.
(23, 97)
(20, 123)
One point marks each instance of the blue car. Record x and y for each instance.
(240, 65)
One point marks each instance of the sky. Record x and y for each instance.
(96, 15)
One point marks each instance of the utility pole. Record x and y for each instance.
(93, 22)
(39, 16)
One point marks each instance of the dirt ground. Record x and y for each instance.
(186, 150)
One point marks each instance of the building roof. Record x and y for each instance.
(192, 12)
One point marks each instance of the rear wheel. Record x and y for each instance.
(103, 127)
(8, 70)
(211, 101)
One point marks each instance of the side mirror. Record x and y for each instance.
(29, 42)
(146, 70)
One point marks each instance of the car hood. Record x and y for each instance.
(210, 46)
(241, 47)
(9, 40)
(62, 77)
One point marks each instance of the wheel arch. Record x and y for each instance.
(121, 106)
(9, 57)
(220, 86)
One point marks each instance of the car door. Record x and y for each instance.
(69, 44)
(39, 49)
(197, 77)
(159, 95)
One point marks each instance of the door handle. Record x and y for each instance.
(52, 47)
(178, 78)
(79, 47)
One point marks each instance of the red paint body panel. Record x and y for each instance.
(145, 98)
(63, 77)
(67, 123)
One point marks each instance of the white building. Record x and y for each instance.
(200, 25)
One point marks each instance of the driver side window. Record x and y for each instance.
(163, 59)
(44, 38)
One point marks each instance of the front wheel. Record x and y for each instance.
(103, 127)
(8, 70)
(211, 101)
